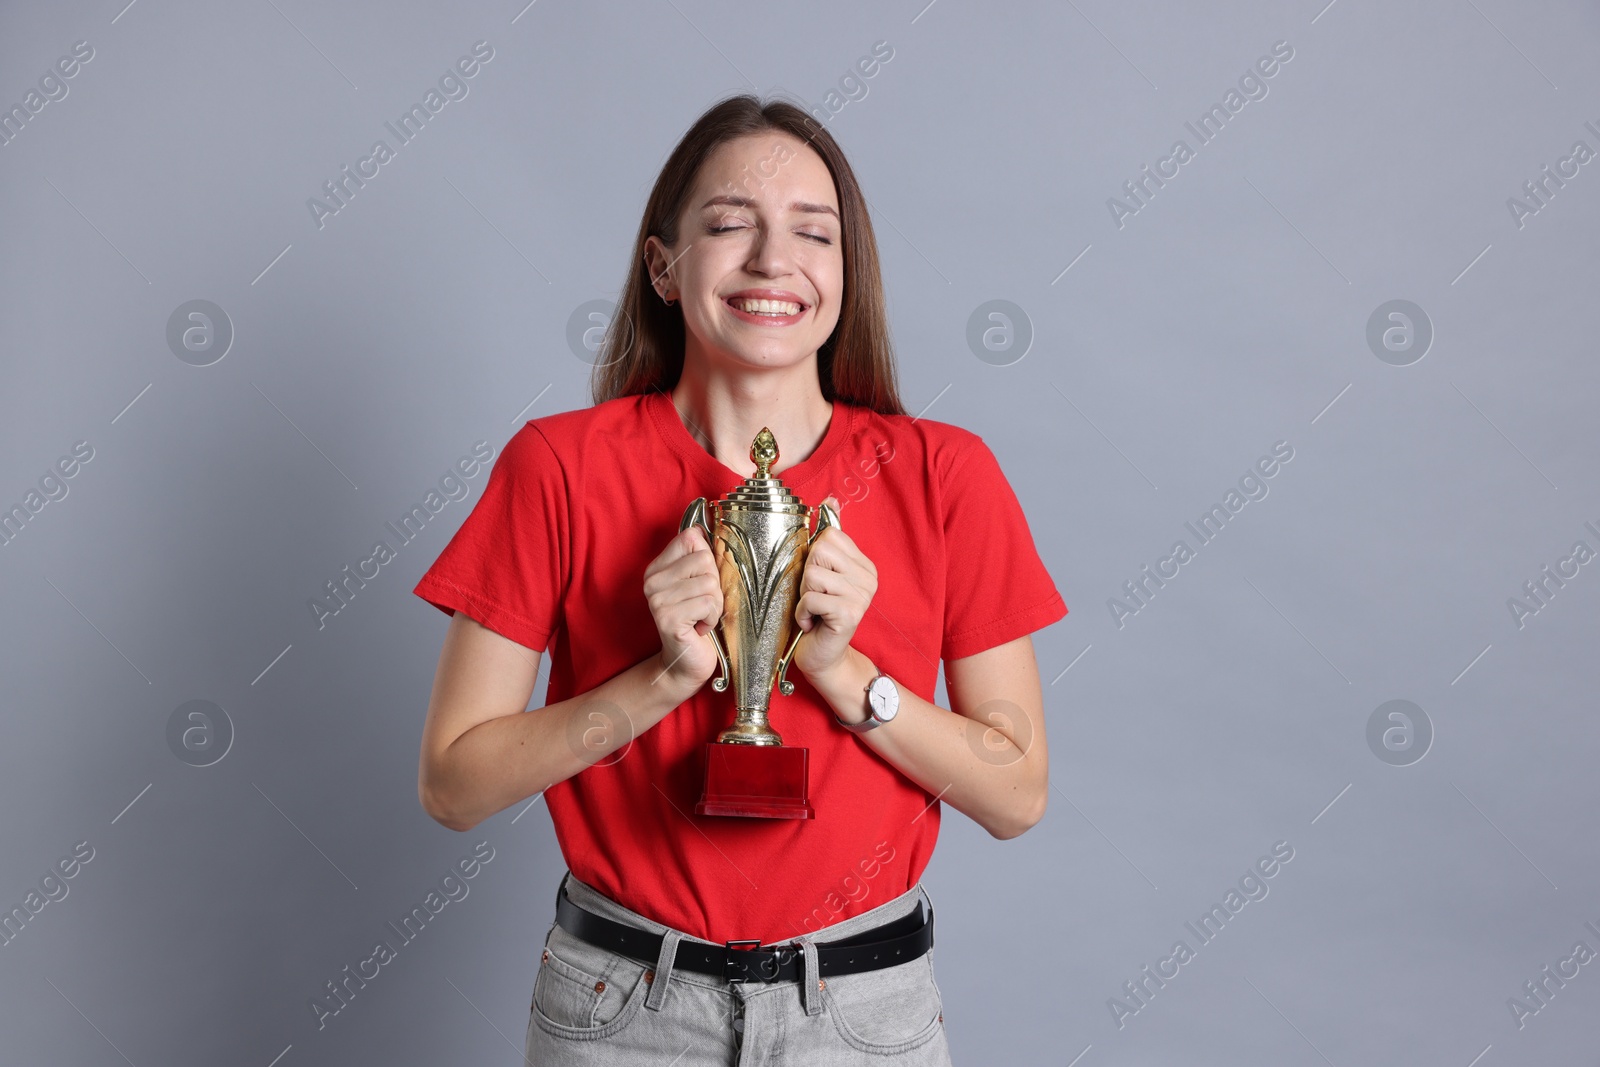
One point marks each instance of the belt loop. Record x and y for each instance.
(810, 992)
(561, 891)
(664, 964)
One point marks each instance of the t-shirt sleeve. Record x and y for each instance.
(507, 566)
(996, 586)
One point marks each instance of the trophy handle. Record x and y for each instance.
(826, 517)
(695, 515)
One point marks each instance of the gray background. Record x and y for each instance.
(1229, 314)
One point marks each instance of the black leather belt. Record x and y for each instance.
(899, 941)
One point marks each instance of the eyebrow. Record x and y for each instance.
(745, 201)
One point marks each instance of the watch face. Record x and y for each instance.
(884, 698)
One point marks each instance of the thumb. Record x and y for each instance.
(682, 543)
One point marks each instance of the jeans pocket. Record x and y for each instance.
(889, 1010)
(583, 991)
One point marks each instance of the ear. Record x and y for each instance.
(655, 262)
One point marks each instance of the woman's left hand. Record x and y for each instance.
(836, 587)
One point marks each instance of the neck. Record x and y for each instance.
(724, 412)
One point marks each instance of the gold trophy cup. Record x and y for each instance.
(759, 535)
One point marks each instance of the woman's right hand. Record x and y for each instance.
(684, 592)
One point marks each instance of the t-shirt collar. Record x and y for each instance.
(676, 435)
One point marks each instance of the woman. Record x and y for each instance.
(753, 302)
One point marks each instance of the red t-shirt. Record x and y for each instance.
(576, 507)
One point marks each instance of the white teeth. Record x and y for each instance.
(766, 307)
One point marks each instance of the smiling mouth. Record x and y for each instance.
(774, 308)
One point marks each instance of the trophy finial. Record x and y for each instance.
(764, 452)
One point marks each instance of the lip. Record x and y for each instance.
(766, 294)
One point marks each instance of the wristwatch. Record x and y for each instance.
(883, 703)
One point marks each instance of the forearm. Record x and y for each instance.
(509, 758)
(977, 769)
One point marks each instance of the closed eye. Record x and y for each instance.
(817, 237)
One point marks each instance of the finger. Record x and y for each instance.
(693, 611)
(818, 579)
(699, 563)
(688, 577)
(831, 607)
(682, 543)
(858, 570)
(834, 542)
(681, 559)
(691, 589)
(695, 539)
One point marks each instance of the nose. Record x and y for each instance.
(770, 256)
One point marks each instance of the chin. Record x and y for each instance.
(768, 357)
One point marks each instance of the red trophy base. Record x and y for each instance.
(766, 781)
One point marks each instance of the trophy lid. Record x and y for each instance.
(762, 491)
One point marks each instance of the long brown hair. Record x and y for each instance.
(644, 349)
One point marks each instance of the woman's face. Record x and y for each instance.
(759, 266)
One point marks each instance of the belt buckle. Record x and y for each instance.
(767, 964)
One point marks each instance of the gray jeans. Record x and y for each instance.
(594, 1006)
